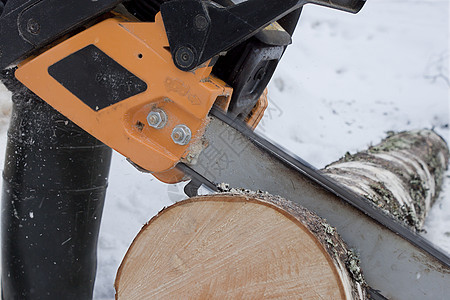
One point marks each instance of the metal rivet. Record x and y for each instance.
(200, 22)
(181, 135)
(33, 26)
(157, 118)
(184, 57)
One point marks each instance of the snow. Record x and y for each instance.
(345, 81)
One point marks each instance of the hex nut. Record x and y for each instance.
(157, 118)
(181, 135)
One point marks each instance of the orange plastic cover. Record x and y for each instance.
(142, 49)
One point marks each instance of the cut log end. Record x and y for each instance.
(238, 246)
(402, 175)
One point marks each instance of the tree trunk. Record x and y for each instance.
(238, 246)
(402, 175)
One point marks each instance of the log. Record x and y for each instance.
(254, 245)
(238, 246)
(402, 175)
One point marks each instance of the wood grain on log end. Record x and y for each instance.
(402, 175)
(250, 246)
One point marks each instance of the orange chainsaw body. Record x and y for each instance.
(142, 50)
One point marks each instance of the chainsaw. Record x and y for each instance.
(178, 88)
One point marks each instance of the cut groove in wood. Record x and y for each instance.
(227, 246)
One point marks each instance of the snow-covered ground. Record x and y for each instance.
(345, 81)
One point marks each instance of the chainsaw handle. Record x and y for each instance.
(199, 30)
(352, 6)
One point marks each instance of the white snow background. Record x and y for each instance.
(345, 81)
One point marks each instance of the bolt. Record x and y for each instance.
(157, 118)
(33, 27)
(184, 57)
(181, 135)
(200, 22)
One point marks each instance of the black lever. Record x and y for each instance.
(199, 30)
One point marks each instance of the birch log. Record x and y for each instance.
(238, 246)
(402, 175)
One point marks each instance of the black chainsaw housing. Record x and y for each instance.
(249, 66)
(28, 25)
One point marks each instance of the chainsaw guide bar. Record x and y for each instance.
(391, 254)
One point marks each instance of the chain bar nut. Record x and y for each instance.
(181, 135)
(157, 118)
